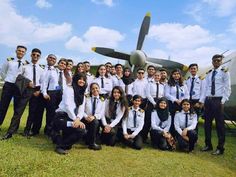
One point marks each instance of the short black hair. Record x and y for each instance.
(193, 64)
(218, 56)
(118, 65)
(36, 50)
(86, 62)
(151, 66)
(62, 59)
(108, 63)
(141, 69)
(70, 60)
(21, 46)
(163, 69)
(135, 97)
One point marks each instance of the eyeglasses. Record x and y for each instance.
(140, 72)
(36, 55)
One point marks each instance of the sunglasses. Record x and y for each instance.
(140, 72)
(36, 55)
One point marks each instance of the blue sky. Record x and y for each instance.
(185, 30)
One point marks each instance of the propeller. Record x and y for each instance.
(111, 53)
(143, 30)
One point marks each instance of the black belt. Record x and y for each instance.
(214, 97)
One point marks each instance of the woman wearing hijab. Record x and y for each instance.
(69, 114)
(160, 124)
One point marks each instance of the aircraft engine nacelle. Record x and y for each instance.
(138, 58)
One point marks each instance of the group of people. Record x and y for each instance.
(114, 105)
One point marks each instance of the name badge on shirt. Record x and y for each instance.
(58, 88)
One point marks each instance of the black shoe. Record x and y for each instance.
(95, 146)
(218, 152)
(60, 151)
(7, 136)
(33, 133)
(26, 134)
(207, 148)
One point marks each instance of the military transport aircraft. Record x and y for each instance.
(138, 58)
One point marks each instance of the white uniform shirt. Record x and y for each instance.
(107, 84)
(100, 107)
(130, 87)
(140, 87)
(90, 79)
(51, 80)
(157, 125)
(68, 105)
(179, 121)
(128, 122)
(28, 73)
(9, 70)
(198, 88)
(170, 92)
(119, 114)
(115, 80)
(222, 85)
(151, 91)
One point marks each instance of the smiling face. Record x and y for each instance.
(151, 71)
(137, 102)
(95, 89)
(157, 76)
(69, 65)
(193, 70)
(216, 62)
(62, 65)
(162, 105)
(20, 52)
(116, 94)
(102, 71)
(51, 60)
(80, 68)
(81, 82)
(176, 76)
(35, 56)
(186, 106)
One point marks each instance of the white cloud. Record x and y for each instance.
(17, 29)
(43, 4)
(95, 36)
(105, 2)
(178, 36)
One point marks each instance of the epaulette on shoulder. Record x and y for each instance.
(188, 77)
(225, 69)
(26, 62)
(141, 110)
(42, 66)
(10, 58)
(102, 98)
(201, 78)
(208, 71)
(87, 95)
(130, 107)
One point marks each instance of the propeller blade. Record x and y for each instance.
(143, 30)
(111, 53)
(168, 64)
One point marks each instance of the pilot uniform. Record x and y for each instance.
(115, 80)
(113, 121)
(90, 77)
(154, 90)
(66, 113)
(140, 89)
(105, 85)
(186, 120)
(53, 85)
(133, 125)
(94, 106)
(9, 72)
(157, 129)
(217, 92)
(173, 93)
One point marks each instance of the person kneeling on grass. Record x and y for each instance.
(133, 124)
(185, 124)
(68, 115)
(160, 124)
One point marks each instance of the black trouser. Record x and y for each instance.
(198, 111)
(69, 135)
(158, 140)
(34, 119)
(9, 91)
(214, 109)
(136, 142)
(19, 110)
(51, 106)
(92, 131)
(183, 144)
(147, 121)
(110, 138)
(173, 107)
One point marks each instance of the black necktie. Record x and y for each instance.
(157, 91)
(177, 91)
(102, 82)
(213, 91)
(60, 79)
(94, 105)
(135, 118)
(191, 88)
(19, 63)
(114, 111)
(186, 120)
(34, 75)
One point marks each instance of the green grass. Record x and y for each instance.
(36, 157)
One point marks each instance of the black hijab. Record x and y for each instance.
(127, 80)
(78, 90)
(163, 114)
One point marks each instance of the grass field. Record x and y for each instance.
(36, 157)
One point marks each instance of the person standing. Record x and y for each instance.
(9, 72)
(217, 92)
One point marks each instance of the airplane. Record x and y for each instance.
(138, 58)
